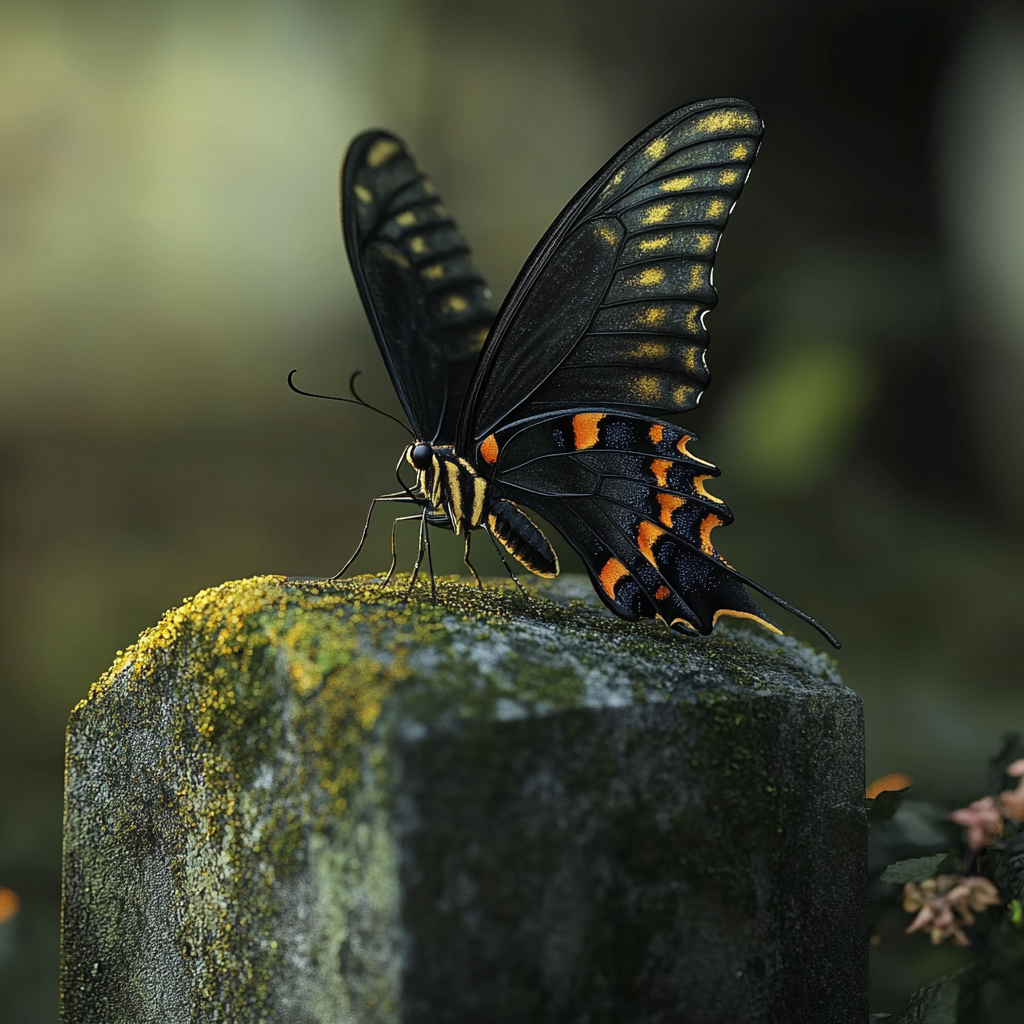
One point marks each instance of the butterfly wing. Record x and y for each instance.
(602, 333)
(632, 499)
(609, 309)
(429, 306)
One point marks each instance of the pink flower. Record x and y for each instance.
(984, 822)
(946, 904)
(1011, 801)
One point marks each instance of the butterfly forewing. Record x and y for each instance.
(609, 309)
(429, 306)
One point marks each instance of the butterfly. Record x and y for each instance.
(556, 402)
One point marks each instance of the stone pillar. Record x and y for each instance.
(301, 802)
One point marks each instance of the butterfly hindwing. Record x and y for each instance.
(429, 306)
(632, 499)
(609, 309)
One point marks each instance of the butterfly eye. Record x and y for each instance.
(421, 456)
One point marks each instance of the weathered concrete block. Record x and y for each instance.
(300, 802)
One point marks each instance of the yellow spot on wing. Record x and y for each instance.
(454, 304)
(647, 535)
(606, 234)
(649, 277)
(489, 449)
(705, 240)
(655, 433)
(698, 486)
(739, 151)
(716, 208)
(697, 276)
(363, 194)
(668, 504)
(406, 219)
(660, 468)
(693, 320)
(707, 524)
(584, 429)
(656, 214)
(616, 180)
(418, 244)
(726, 121)
(729, 177)
(394, 255)
(677, 184)
(434, 272)
(651, 350)
(653, 317)
(612, 572)
(654, 244)
(657, 149)
(381, 151)
(732, 614)
(682, 394)
(647, 389)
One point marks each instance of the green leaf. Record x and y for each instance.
(915, 869)
(934, 1004)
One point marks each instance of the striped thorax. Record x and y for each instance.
(451, 486)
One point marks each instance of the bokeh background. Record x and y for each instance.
(169, 250)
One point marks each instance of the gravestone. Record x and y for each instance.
(304, 802)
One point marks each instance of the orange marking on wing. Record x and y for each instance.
(669, 503)
(660, 594)
(698, 486)
(733, 614)
(489, 449)
(707, 524)
(584, 428)
(895, 781)
(655, 433)
(681, 448)
(660, 468)
(647, 535)
(612, 572)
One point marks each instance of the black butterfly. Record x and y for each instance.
(554, 402)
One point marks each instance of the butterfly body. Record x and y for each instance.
(557, 401)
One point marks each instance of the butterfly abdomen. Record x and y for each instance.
(522, 538)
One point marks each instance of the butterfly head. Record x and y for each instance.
(420, 456)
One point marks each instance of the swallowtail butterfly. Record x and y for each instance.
(556, 402)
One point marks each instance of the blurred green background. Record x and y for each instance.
(169, 250)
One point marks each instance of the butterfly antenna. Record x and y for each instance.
(351, 401)
(440, 421)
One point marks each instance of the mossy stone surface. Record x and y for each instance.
(304, 802)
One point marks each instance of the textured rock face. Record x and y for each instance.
(302, 802)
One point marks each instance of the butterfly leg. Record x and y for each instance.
(430, 560)
(397, 496)
(424, 546)
(508, 568)
(394, 550)
(465, 558)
